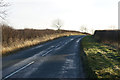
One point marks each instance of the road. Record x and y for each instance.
(59, 58)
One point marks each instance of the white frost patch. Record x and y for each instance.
(69, 64)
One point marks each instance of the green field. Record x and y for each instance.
(103, 59)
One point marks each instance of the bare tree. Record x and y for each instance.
(112, 27)
(83, 29)
(57, 24)
(3, 11)
(92, 30)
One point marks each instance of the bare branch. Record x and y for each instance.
(3, 4)
(83, 28)
(58, 24)
(3, 11)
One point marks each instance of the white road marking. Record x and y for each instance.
(18, 70)
(17, 66)
(47, 52)
(61, 44)
(57, 47)
(78, 40)
(51, 49)
(37, 47)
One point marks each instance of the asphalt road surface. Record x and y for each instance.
(59, 58)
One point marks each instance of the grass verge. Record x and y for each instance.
(103, 60)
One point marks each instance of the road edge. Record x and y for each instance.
(88, 71)
(27, 47)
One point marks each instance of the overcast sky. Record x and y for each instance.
(39, 14)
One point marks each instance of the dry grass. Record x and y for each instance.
(16, 39)
(18, 44)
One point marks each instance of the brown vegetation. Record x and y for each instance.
(15, 39)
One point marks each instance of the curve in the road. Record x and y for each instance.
(55, 59)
